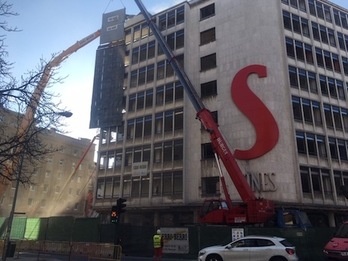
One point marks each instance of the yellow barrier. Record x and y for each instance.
(56, 247)
(1, 246)
(94, 251)
(29, 246)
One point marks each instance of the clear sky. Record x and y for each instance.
(50, 26)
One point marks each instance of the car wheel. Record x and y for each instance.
(278, 258)
(214, 257)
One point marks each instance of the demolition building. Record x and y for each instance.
(275, 78)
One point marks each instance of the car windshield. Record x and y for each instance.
(252, 242)
(342, 231)
(286, 243)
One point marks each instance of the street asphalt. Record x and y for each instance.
(45, 257)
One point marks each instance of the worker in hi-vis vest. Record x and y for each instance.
(158, 245)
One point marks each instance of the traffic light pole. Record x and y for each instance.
(115, 240)
(117, 210)
(115, 217)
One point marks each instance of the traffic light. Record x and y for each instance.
(121, 205)
(114, 215)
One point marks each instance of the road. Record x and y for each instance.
(45, 257)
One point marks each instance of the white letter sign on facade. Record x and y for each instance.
(176, 240)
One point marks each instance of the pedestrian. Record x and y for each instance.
(158, 245)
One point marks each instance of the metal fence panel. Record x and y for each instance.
(86, 230)
(60, 228)
(18, 228)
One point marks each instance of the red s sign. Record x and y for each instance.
(267, 132)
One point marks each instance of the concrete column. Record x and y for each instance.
(331, 218)
(156, 219)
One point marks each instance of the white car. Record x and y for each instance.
(251, 248)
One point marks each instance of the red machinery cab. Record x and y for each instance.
(337, 247)
(218, 211)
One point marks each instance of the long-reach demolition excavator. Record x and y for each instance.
(34, 103)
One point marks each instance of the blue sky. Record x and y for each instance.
(50, 26)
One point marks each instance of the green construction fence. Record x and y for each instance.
(137, 240)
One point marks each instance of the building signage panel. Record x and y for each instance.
(176, 240)
(140, 168)
(237, 233)
(267, 131)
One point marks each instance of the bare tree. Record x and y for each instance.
(28, 115)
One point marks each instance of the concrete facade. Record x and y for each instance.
(53, 190)
(306, 167)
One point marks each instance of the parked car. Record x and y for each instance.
(337, 247)
(251, 248)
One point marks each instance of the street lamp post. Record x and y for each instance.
(13, 208)
(18, 173)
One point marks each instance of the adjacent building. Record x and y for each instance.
(59, 185)
(273, 74)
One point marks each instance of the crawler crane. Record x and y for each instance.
(253, 210)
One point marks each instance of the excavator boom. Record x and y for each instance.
(34, 103)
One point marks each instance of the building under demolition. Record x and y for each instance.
(273, 75)
(60, 184)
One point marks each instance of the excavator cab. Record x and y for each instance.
(213, 210)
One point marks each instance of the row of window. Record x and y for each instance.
(315, 145)
(148, 50)
(321, 10)
(299, 4)
(137, 32)
(168, 151)
(167, 20)
(171, 18)
(300, 25)
(318, 181)
(146, 74)
(299, 50)
(142, 53)
(324, 59)
(321, 33)
(309, 111)
(163, 184)
(296, 23)
(112, 135)
(307, 81)
(167, 121)
(144, 127)
(165, 94)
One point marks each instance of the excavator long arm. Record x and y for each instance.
(35, 99)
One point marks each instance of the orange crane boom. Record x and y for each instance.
(34, 102)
